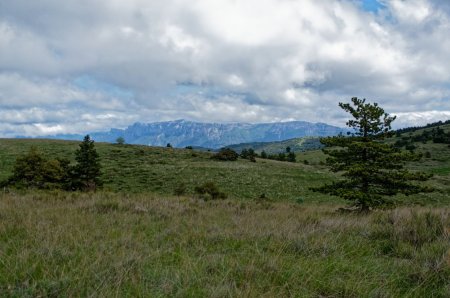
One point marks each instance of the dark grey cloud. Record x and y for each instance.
(78, 65)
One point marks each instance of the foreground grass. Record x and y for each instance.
(62, 244)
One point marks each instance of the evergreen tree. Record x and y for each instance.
(263, 154)
(251, 155)
(372, 170)
(291, 157)
(244, 153)
(86, 173)
(120, 140)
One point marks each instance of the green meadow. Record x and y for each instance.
(271, 237)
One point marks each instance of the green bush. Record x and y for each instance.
(249, 154)
(120, 140)
(34, 170)
(226, 154)
(180, 189)
(209, 190)
(410, 147)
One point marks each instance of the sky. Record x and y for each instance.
(78, 66)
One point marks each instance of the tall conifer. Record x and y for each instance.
(87, 171)
(372, 170)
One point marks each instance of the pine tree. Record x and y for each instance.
(120, 140)
(244, 153)
(251, 155)
(291, 157)
(372, 169)
(86, 173)
(263, 154)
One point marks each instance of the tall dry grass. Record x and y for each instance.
(104, 244)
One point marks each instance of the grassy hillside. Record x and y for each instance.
(137, 169)
(139, 240)
(113, 245)
(296, 145)
(142, 169)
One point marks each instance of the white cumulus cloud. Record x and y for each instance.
(223, 60)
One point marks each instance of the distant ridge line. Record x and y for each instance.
(182, 133)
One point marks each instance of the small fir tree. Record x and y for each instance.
(244, 153)
(263, 154)
(372, 170)
(87, 171)
(120, 140)
(291, 157)
(251, 155)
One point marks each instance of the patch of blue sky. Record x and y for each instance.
(372, 5)
(89, 83)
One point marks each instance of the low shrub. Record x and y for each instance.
(209, 190)
(180, 189)
(226, 154)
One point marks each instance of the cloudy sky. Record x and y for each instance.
(78, 66)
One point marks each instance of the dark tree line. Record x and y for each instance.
(436, 135)
(414, 128)
(228, 154)
(288, 156)
(34, 170)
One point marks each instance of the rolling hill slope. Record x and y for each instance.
(143, 169)
(137, 169)
(296, 145)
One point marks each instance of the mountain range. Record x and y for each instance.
(182, 133)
